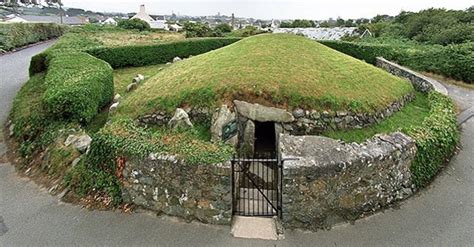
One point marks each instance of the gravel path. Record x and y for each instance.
(442, 215)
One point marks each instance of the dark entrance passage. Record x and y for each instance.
(257, 180)
(265, 140)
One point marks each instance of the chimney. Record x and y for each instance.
(142, 8)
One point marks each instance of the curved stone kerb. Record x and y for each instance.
(420, 82)
(332, 155)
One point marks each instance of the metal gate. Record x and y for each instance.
(257, 186)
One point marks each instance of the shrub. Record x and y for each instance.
(223, 28)
(71, 41)
(38, 63)
(155, 54)
(134, 24)
(77, 86)
(20, 34)
(29, 118)
(74, 41)
(436, 139)
(197, 29)
(84, 179)
(455, 61)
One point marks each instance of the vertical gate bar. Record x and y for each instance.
(280, 194)
(233, 185)
(266, 185)
(253, 190)
(258, 194)
(248, 187)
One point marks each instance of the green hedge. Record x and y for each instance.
(137, 56)
(436, 139)
(455, 61)
(69, 42)
(20, 34)
(77, 86)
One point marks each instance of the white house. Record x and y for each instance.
(156, 24)
(110, 21)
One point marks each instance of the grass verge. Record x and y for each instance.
(411, 115)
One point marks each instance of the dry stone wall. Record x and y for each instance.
(169, 186)
(335, 182)
(420, 82)
(297, 122)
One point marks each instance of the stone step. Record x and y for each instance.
(255, 228)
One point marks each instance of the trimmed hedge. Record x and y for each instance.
(436, 139)
(77, 86)
(69, 42)
(137, 56)
(455, 61)
(20, 34)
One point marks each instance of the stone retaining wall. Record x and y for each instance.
(335, 182)
(172, 187)
(303, 122)
(420, 82)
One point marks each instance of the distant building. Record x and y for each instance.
(335, 33)
(110, 21)
(159, 23)
(366, 34)
(68, 20)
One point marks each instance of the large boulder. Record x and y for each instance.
(221, 117)
(176, 59)
(262, 113)
(81, 142)
(180, 119)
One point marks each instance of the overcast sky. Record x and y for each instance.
(266, 9)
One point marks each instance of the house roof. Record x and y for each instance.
(69, 20)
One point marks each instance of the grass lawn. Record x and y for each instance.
(272, 69)
(412, 114)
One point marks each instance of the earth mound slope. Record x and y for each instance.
(280, 70)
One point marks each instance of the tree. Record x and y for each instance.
(223, 28)
(298, 23)
(197, 29)
(134, 24)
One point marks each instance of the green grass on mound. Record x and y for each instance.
(412, 114)
(124, 76)
(275, 69)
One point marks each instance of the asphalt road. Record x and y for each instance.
(442, 215)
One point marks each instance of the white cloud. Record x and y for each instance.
(267, 9)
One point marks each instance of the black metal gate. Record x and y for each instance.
(257, 186)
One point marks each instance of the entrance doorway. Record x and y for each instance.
(257, 180)
(265, 140)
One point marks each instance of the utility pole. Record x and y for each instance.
(60, 10)
(233, 21)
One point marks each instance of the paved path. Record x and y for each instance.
(442, 215)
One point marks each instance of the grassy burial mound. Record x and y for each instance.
(277, 69)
